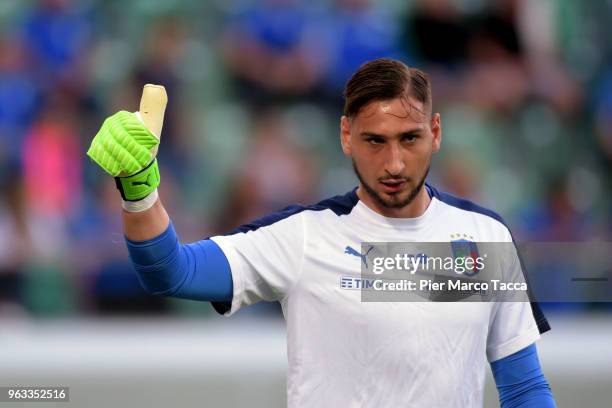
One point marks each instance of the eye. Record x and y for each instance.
(375, 140)
(410, 138)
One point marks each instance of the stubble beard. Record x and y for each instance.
(393, 203)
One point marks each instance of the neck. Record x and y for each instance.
(415, 209)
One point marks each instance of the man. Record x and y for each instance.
(343, 352)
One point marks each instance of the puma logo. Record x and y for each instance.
(142, 183)
(351, 251)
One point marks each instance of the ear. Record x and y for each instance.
(436, 131)
(345, 135)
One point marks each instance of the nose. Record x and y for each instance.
(395, 163)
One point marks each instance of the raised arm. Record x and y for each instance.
(126, 148)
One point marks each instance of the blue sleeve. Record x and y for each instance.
(198, 271)
(520, 381)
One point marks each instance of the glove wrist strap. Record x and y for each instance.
(139, 185)
(140, 205)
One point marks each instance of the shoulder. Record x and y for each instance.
(338, 205)
(466, 208)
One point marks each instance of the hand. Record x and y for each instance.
(126, 145)
(122, 146)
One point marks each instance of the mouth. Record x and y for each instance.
(391, 186)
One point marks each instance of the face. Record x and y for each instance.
(391, 144)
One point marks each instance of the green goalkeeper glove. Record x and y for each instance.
(126, 146)
(122, 148)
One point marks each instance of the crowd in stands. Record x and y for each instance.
(255, 95)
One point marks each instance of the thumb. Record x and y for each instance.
(152, 108)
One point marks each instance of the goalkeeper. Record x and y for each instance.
(343, 352)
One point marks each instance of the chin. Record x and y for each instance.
(394, 200)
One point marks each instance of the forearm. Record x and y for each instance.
(145, 225)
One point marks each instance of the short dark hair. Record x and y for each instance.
(383, 79)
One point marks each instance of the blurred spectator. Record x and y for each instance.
(437, 32)
(357, 31)
(52, 160)
(603, 115)
(459, 175)
(58, 34)
(549, 79)
(19, 98)
(14, 239)
(468, 53)
(275, 173)
(555, 219)
(495, 52)
(271, 51)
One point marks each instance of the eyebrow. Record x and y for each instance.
(411, 132)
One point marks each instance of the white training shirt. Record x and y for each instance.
(346, 353)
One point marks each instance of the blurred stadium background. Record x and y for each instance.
(524, 89)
